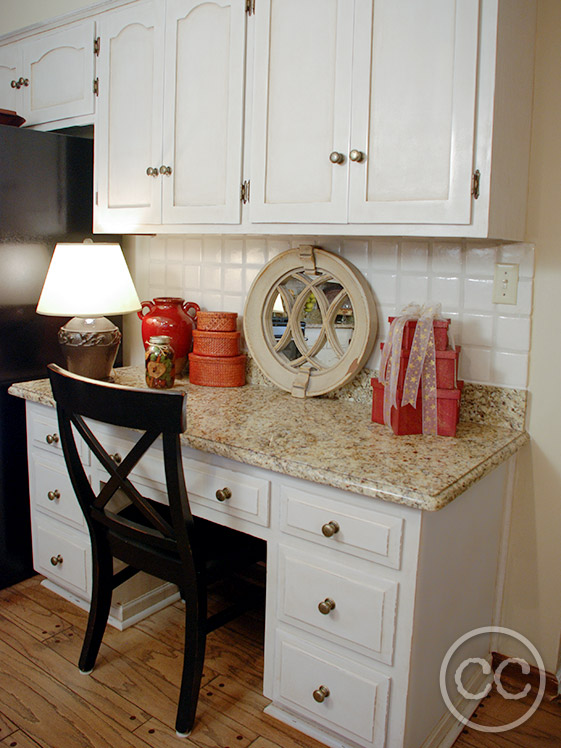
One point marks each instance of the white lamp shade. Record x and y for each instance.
(88, 280)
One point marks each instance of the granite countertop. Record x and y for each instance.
(329, 441)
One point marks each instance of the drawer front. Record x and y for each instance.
(364, 612)
(69, 548)
(53, 490)
(366, 533)
(357, 702)
(242, 495)
(44, 430)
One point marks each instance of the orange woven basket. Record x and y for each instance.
(216, 371)
(207, 343)
(217, 321)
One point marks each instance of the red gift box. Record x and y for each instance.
(405, 419)
(446, 367)
(440, 328)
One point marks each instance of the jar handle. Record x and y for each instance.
(191, 305)
(142, 313)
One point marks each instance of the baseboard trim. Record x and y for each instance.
(513, 675)
(127, 614)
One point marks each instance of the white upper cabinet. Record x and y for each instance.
(49, 77)
(413, 111)
(203, 111)
(395, 91)
(128, 132)
(301, 110)
(169, 129)
(10, 58)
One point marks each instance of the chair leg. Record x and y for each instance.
(102, 590)
(193, 661)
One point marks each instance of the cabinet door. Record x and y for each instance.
(303, 55)
(10, 97)
(128, 136)
(60, 68)
(413, 110)
(203, 111)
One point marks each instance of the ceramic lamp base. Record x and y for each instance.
(90, 345)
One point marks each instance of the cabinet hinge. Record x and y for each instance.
(96, 86)
(244, 192)
(250, 7)
(97, 45)
(475, 183)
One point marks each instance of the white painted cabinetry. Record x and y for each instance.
(168, 138)
(393, 87)
(49, 76)
(364, 597)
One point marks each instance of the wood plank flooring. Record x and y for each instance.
(130, 699)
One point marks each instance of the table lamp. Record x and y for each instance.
(88, 281)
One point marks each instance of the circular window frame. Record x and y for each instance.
(302, 381)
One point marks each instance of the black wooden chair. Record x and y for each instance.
(163, 540)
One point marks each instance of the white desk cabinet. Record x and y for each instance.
(364, 597)
(168, 145)
(49, 77)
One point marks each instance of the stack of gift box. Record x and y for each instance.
(408, 419)
(216, 360)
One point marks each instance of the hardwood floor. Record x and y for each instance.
(130, 699)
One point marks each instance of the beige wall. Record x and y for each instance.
(532, 603)
(533, 592)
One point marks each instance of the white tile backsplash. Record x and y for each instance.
(217, 273)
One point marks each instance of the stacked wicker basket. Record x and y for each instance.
(216, 360)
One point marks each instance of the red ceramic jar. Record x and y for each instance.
(169, 315)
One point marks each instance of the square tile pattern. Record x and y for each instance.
(217, 273)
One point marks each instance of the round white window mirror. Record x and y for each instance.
(310, 321)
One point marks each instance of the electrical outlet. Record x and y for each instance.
(505, 286)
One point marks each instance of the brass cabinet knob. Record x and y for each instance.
(53, 495)
(14, 84)
(152, 171)
(165, 170)
(330, 529)
(56, 560)
(356, 156)
(326, 606)
(24, 82)
(336, 158)
(117, 459)
(320, 694)
(52, 439)
(223, 494)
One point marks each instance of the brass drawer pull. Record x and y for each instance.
(336, 158)
(356, 156)
(52, 439)
(326, 606)
(223, 494)
(56, 560)
(53, 495)
(152, 171)
(330, 529)
(117, 459)
(320, 694)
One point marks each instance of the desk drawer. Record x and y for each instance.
(70, 549)
(53, 492)
(242, 495)
(359, 609)
(43, 427)
(363, 532)
(357, 702)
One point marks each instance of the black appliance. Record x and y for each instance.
(46, 195)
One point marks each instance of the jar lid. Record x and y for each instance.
(159, 340)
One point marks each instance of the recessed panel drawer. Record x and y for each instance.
(228, 491)
(62, 555)
(351, 608)
(355, 697)
(53, 490)
(363, 532)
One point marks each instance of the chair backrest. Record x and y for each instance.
(149, 528)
